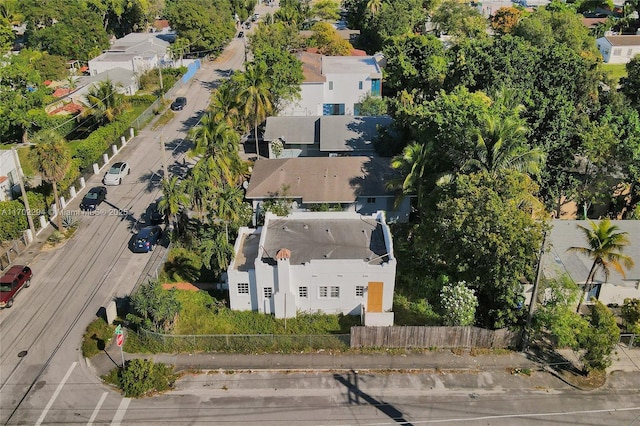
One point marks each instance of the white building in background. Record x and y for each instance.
(333, 262)
(136, 52)
(618, 49)
(335, 85)
(8, 174)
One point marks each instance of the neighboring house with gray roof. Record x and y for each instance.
(332, 262)
(125, 81)
(335, 85)
(357, 184)
(558, 261)
(618, 49)
(322, 136)
(137, 52)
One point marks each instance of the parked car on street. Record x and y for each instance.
(94, 197)
(146, 239)
(17, 277)
(179, 104)
(116, 173)
(241, 34)
(156, 217)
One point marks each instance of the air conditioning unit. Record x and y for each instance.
(333, 154)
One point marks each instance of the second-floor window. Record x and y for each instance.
(375, 87)
(331, 85)
(359, 85)
(335, 292)
(323, 291)
(243, 288)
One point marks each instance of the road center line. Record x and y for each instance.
(56, 393)
(122, 409)
(97, 409)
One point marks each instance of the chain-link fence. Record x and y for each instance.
(242, 343)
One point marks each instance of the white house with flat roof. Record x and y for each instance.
(8, 174)
(335, 85)
(332, 262)
(618, 49)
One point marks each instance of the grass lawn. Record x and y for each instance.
(615, 71)
(200, 314)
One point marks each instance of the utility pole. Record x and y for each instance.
(32, 227)
(534, 295)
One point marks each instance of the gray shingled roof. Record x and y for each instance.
(293, 130)
(321, 179)
(565, 234)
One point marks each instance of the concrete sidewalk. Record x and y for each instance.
(626, 360)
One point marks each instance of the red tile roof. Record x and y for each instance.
(69, 108)
(61, 91)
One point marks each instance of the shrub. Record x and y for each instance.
(89, 150)
(96, 337)
(13, 219)
(600, 340)
(459, 304)
(142, 377)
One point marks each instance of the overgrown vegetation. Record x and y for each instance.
(96, 337)
(141, 378)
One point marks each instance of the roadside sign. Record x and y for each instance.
(119, 329)
(120, 339)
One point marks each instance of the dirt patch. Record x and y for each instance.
(180, 286)
(590, 382)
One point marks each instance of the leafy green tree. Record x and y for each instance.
(215, 249)
(374, 6)
(504, 20)
(154, 307)
(459, 304)
(7, 38)
(327, 10)
(279, 36)
(373, 105)
(22, 97)
(65, 28)
(392, 19)
(600, 340)
(475, 234)
(556, 318)
(51, 67)
(51, 157)
(630, 84)
(254, 95)
(206, 24)
(631, 314)
(459, 20)
(285, 72)
(327, 40)
(173, 197)
(13, 220)
(415, 63)
(294, 12)
(605, 243)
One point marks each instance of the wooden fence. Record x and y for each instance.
(433, 337)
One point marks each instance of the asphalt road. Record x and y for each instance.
(71, 283)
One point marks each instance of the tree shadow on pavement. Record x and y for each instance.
(355, 394)
(556, 364)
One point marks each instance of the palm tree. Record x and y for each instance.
(104, 102)
(605, 243)
(52, 158)
(374, 6)
(228, 203)
(201, 183)
(501, 145)
(254, 95)
(223, 105)
(411, 164)
(173, 198)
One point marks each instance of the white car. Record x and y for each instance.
(116, 173)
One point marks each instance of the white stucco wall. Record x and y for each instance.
(346, 90)
(616, 54)
(285, 279)
(310, 102)
(7, 168)
(610, 293)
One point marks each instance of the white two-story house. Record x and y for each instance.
(335, 85)
(136, 52)
(332, 262)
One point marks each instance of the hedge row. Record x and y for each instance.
(90, 149)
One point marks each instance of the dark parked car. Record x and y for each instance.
(93, 198)
(146, 239)
(17, 277)
(179, 104)
(156, 217)
(240, 34)
(247, 25)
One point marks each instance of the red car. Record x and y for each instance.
(11, 283)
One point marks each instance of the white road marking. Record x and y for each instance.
(95, 411)
(122, 409)
(56, 393)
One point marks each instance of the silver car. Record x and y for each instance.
(116, 173)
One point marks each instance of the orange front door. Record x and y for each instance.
(374, 298)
